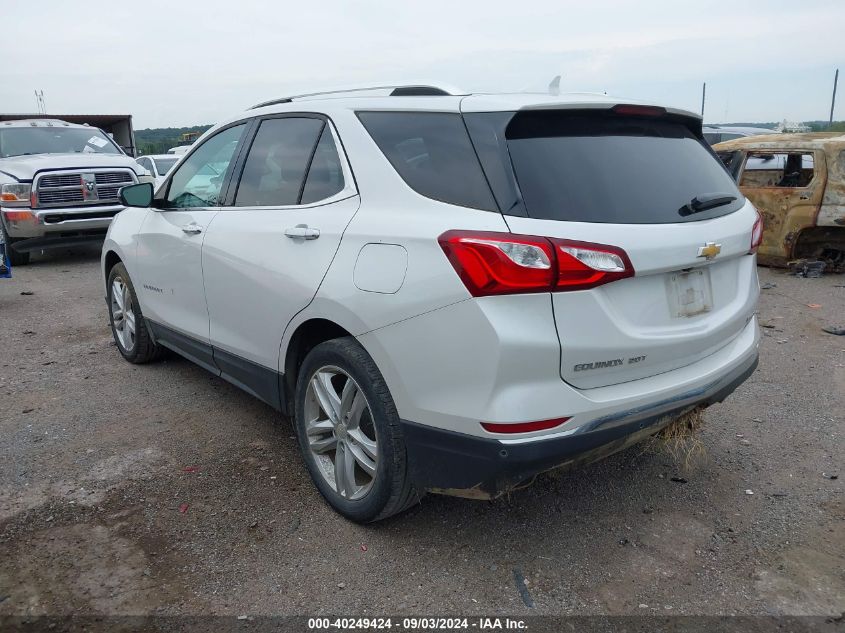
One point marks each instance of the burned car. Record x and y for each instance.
(797, 181)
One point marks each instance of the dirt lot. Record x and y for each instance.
(161, 489)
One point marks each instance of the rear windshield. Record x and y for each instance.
(596, 167)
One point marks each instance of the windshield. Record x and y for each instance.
(21, 141)
(163, 165)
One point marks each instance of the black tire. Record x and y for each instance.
(15, 258)
(142, 349)
(391, 491)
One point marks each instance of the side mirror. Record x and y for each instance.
(140, 195)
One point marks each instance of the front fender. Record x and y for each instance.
(122, 241)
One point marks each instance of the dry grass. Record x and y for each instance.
(680, 438)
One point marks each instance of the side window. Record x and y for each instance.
(432, 153)
(145, 163)
(325, 176)
(198, 180)
(732, 161)
(777, 169)
(275, 168)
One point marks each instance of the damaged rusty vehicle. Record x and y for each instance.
(797, 182)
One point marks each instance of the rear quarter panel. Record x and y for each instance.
(832, 211)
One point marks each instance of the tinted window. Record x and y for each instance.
(198, 180)
(487, 131)
(278, 159)
(615, 169)
(144, 162)
(432, 153)
(325, 176)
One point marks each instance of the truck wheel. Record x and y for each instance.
(349, 433)
(128, 327)
(15, 258)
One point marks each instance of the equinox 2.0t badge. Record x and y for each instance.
(709, 250)
(89, 186)
(602, 364)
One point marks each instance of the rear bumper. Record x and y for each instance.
(463, 465)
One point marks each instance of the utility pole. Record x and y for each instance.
(703, 95)
(39, 100)
(833, 99)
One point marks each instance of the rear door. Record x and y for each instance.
(644, 182)
(268, 249)
(787, 186)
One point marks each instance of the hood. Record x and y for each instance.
(25, 167)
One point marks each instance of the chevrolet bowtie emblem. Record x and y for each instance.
(709, 250)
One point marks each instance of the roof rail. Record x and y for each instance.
(413, 90)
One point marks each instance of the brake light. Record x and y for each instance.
(500, 263)
(491, 263)
(523, 427)
(756, 233)
(638, 110)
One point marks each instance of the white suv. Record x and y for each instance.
(448, 293)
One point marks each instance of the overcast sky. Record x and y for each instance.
(187, 62)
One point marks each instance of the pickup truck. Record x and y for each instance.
(59, 184)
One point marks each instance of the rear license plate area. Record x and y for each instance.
(689, 293)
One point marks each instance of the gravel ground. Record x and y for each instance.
(161, 489)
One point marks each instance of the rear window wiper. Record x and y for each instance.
(706, 201)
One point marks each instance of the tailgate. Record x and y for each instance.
(639, 179)
(677, 309)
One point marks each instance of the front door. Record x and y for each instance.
(267, 251)
(170, 244)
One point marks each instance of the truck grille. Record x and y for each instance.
(81, 188)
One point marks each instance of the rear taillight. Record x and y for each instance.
(491, 263)
(500, 263)
(756, 233)
(583, 265)
(523, 427)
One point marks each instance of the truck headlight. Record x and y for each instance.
(146, 178)
(15, 195)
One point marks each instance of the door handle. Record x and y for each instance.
(192, 229)
(302, 232)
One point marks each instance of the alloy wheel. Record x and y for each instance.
(340, 432)
(122, 314)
